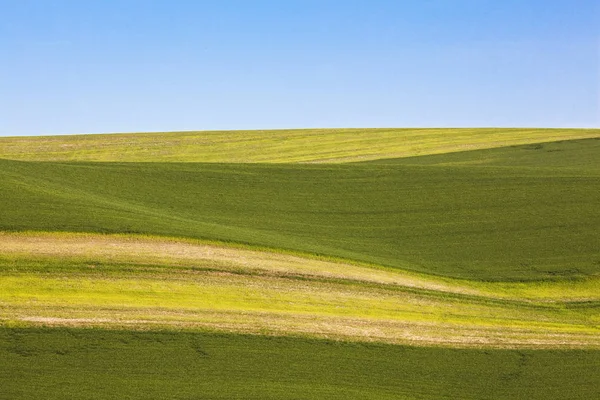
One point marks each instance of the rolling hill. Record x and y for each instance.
(384, 263)
(274, 146)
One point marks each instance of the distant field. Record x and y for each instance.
(274, 146)
(476, 221)
(354, 264)
(565, 155)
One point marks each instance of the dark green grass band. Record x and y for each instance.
(104, 364)
(502, 222)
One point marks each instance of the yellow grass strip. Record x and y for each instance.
(150, 282)
(302, 145)
(331, 327)
(181, 252)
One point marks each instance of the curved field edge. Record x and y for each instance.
(275, 146)
(481, 223)
(96, 363)
(232, 257)
(144, 283)
(579, 155)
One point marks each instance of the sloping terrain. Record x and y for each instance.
(481, 222)
(135, 282)
(566, 155)
(275, 146)
(464, 274)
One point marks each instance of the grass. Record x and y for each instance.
(111, 281)
(47, 252)
(277, 146)
(128, 269)
(109, 364)
(473, 222)
(565, 155)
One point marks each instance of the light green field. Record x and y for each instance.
(424, 272)
(275, 146)
(115, 281)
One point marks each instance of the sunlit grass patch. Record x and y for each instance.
(275, 146)
(132, 281)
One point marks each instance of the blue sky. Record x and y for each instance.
(124, 65)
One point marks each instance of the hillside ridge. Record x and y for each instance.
(275, 146)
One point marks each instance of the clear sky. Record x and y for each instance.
(124, 65)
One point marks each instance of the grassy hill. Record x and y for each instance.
(265, 264)
(137, 282)
(274, 146)
(564, 155)
(500, 221)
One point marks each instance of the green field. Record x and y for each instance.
(301, 264)
(275, 146)
(106, 364)
(492, 222)
(144, 283)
